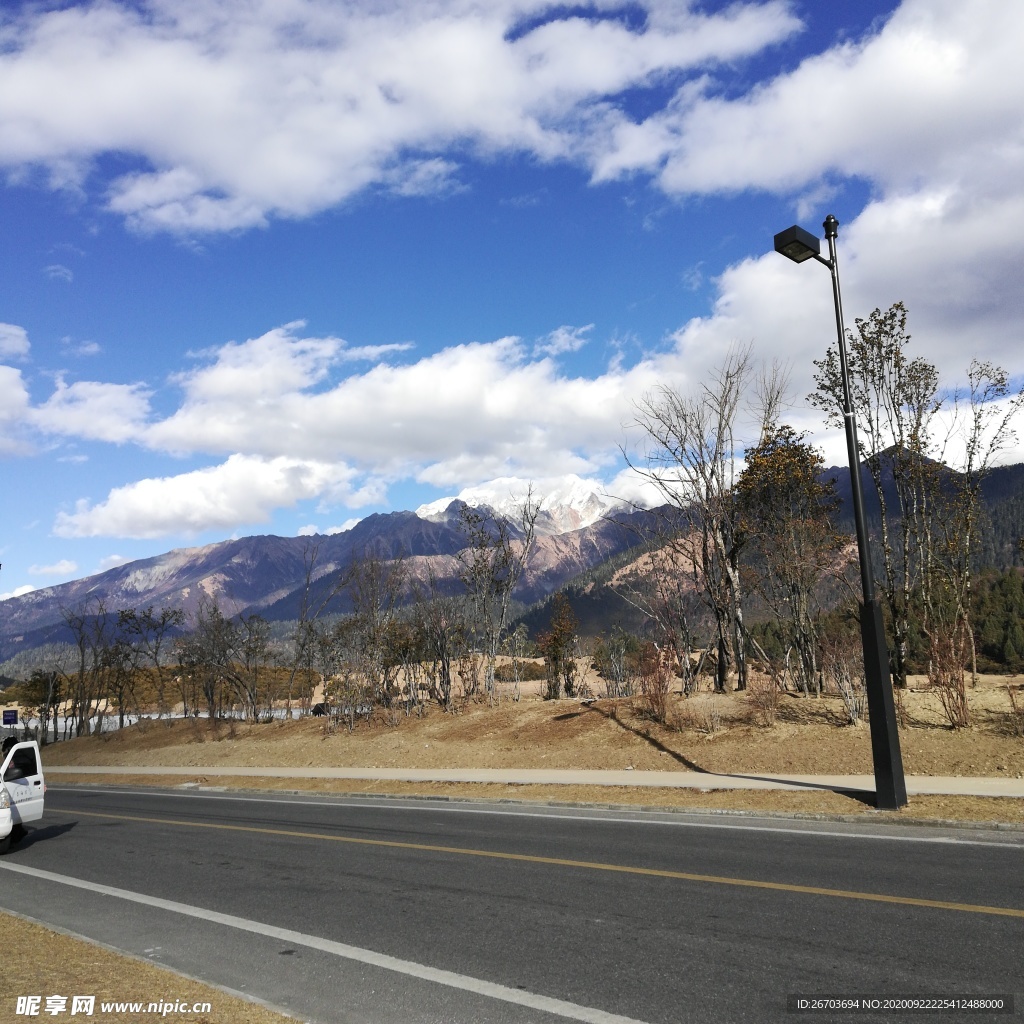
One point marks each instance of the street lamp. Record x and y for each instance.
(890, 786)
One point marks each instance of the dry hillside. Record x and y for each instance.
(706, 733)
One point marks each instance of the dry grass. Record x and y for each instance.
(42, 962)
(708, 732)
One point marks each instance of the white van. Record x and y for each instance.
(22, 790)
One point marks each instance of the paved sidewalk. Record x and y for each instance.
(917, 785)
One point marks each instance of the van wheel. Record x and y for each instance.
(18, 833)
(5, 844)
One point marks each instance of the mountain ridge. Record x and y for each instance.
(268, 574)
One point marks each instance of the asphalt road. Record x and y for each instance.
(342, 910)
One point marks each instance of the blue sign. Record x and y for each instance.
(10, 717)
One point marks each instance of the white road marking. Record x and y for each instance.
(546, 1004)
(554, 816)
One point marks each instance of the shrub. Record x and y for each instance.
(655, 681)
(763, 697)
(844, 673)
(529, 672)
(1016, 712)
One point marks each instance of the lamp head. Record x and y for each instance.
(798, 245)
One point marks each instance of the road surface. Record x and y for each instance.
(349, 910)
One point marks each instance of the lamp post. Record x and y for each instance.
(890, 786)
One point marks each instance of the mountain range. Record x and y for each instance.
(578, 530)
(575, 531)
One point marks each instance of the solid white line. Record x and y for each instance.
(461, 809)
(490, 989)
(245, 997)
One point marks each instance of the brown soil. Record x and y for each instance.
(42, 962)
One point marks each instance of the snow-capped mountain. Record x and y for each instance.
(268, 574)
(567, 503)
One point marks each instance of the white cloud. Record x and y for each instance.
(81, 348)
(917, 101)
(564, 339)
(331, 531)
(13, 341)
(373, 353)
(111, 562)
(65, 567)
(241, 491)
(693, 277)
(58, 272)
(926, 111)
(14, 400)
(327, 99)
(291, 433)
(629, 486)
(425, 178)
(94, 411)
(276, 363)
(312, 530)
(18, 592)
(483, 409)
(14, 407)
(458, 418)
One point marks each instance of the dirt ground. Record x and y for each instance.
(41, 962)
(707, 732)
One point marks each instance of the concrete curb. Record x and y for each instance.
(887, 818)
(917, 785)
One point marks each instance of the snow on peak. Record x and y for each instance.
(567, 503)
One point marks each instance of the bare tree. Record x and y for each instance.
(150, 633)
(441, 622)
(93, 631)
(927, 472)
(514, 645)
(305, 637)
(491, 565)
(377, 588)
(120, 662)
(247, 655)
(202, 655)
(42, 695)
(662, 586)
(616, 659)
(982, 427)
(692, 459)
(330, 653)
(897, 400)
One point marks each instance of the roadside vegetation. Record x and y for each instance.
(744, 583)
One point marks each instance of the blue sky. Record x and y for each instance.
(268, 266)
